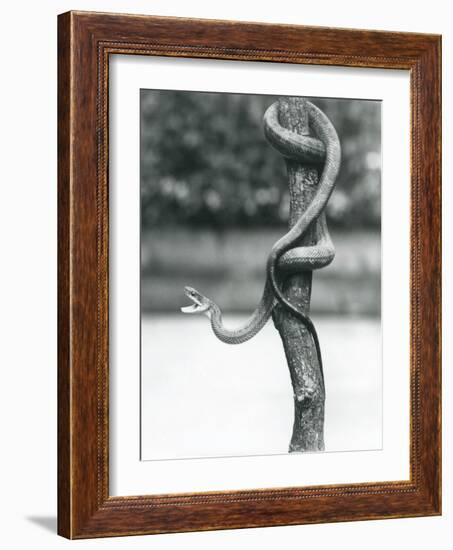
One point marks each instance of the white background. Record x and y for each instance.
(28, 286)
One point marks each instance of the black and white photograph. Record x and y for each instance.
(260, 274)
(226, 265)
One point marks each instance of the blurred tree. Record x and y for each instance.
(205, 161)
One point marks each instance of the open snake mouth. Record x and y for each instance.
(198, 305)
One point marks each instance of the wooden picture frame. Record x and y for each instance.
(85, 42)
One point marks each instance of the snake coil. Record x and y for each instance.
(286, 256)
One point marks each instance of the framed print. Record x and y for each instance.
(249, 275)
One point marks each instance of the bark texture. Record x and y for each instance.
(300, 351)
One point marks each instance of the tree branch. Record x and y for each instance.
(300, 351)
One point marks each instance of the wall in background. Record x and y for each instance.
(28, 277)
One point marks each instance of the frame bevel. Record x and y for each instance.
(85, 42)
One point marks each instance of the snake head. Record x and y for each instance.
(200, 304)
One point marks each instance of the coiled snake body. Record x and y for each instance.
(286, 258)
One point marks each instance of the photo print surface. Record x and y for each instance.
(260, 274)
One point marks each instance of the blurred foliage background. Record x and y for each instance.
(205, 161)
(214, 199)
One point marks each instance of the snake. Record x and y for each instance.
(286, 257)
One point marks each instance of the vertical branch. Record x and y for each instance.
(300, 351)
